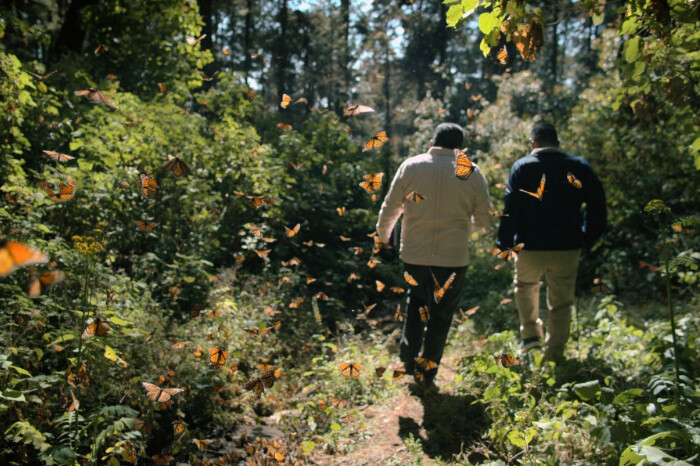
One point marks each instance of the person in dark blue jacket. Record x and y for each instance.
(554, 206)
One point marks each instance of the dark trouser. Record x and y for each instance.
(431, 335)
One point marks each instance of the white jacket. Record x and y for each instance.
(435, 231)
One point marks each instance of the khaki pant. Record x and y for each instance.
(559, 269)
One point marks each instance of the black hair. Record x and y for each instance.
(448, 135)
(544, 133)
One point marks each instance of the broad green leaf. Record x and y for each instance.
(598, 18)
(454, 15)
(335, 427)
(484, 47)
(632, 49)
(62, 339)
(85, 165)
(189, 279)
(76, 144)
(13, 395)
(308, 446)
(627, 395)
(119, 321)
(21, 371)
(517, 438)
(488, 22)
(587, 390)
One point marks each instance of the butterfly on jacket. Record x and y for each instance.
(575, 182)
(540, 189)
(14, 254)
(424, 313)
(415, 196)
(463, 165)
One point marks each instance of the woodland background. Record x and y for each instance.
(620, 81)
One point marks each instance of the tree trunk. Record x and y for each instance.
(71, 36)
(280, 54)
(345, 26)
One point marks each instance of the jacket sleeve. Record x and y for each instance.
(508, 226)
(392, 208)
(596, 212)
(482, 203)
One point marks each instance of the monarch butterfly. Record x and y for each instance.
(96, 96)
(380, 286)
(503, 56)
(397, 374)
(97, 327)
(226, 51)
(372, 263)
(296, 166)
(41, 77)
(148, 185)
(145, 226)
(349, 369)
(290, 232)
(463, 165)
(75, 404)
(284, 126)
(162, 87)
(286, 100)
(162, 460)
(352, 277)
(397, 289)
(257, 231)
(258, 201)
(506, 360)
(262, 254)
(206, 77)
(100, 49)
(192, 41)
(180, 345)
(53, 155)
(373, 181)
(257, 330)
(201, 444)
(354, 110)
(398, 315)
(424, 313)
(470, 114)
(259, 384)
(426, 364)
(379, 371)
(414, 196)
(376, 141)
(508, 254)
(176, 166)
(296, 302)
(575, 182)
(321, 296)
(14, 254)
(292, 262)
(276, 324)
(440, 291)
(217, 356)
(341, 210)
(369, 308)
(409, 279)
(38, 284)
(65, 191)
(161, 395)
(301, 100)
(540, 190)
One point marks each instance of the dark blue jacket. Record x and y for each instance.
(558, 221)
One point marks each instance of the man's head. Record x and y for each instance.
(544, 135)
(448, 135)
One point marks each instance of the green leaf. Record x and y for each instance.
(624, 397)
(632, 49)
(21, 371)
(629, 457)
(517, 438)
(484, 47)
(488, 22)
(62, 339)
(76, 144)
(189, 279)
(119, 321)
(335, 427)
(308, 446)
(598, 18)
(454, 15)
(13, 395)
(85, 165)
(587, 390)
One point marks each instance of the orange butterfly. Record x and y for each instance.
(14, 254)
(380, 286)
(373, 181)
(259, 384)
(192, 41)
(424, 313)
(161, 395)
(145, 226)
(258, 201)
(376, 141)
(96, 96)
(75, 404)
(414, 196)
(354, 110)
(349, 369)
(180, 345)
(262, 254)
(398, 315)
(540, 190)
(100, 50)
(397, 289)
(257, 330)
(296, 166)
(201, 444)
(38, 284)
(409, 279)
(508, 254)
(217, 356)
(292, 231)
(286, 100)
(369, 308)
(80, 380)
(162, 460)
(503, 56)
(440, 291)
(470, 114)
(148, 185)
(284, 126)
(372, 262)
(506, 360)
(341, 210)
(463, 165)
(176, 166)
(575, 182)
(65, 191)
(379, 371)
(97, 327)
(397, 374)
(53, 155)
(426, 364)
(226, 51)
(206, 77)
(162, 87)
(352, 277)
(41, 77)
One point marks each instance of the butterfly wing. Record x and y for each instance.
(14, 254)
(153, 392)
(148, 185)
(463, 165)
(286, 100)
(424, 313)
(575, 182)
(409, 279)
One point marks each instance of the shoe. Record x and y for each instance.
(529, 343)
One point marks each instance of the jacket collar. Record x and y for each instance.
(546, 149)
(435, 150)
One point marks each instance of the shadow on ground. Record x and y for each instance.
(451, 424)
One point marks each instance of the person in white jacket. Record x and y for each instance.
(440, 212)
